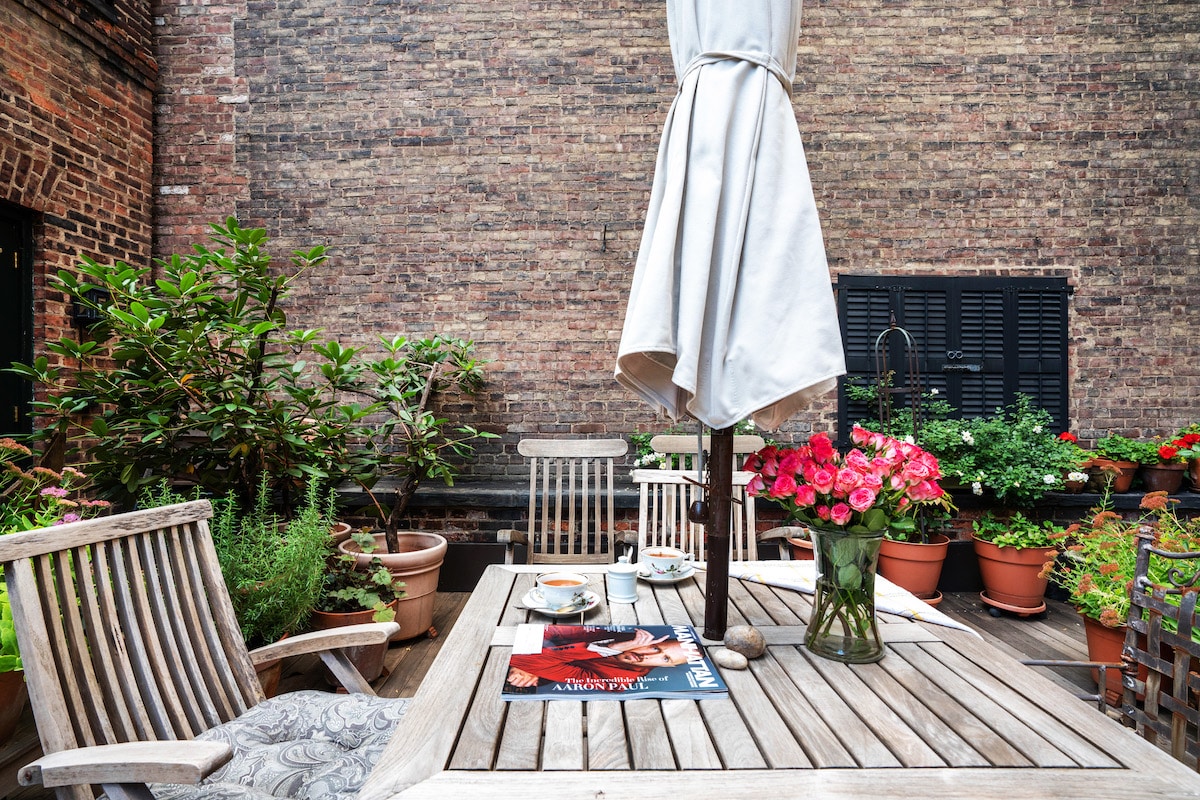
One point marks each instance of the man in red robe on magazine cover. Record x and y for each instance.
(605, 663)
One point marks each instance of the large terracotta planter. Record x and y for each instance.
(916, 566)
(369, 658)
(1105, 644)
(1011, 577)
(418, 564)
(13, 694)
(1163, 477)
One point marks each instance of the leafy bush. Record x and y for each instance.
(1016, 531)
(195, 375)
(1118, 448)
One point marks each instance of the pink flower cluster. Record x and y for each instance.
(880, 480)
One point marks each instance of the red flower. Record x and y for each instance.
(1167, 452)
(1067, 436)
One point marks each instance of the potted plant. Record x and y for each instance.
(1165, 473)
(1188, 441)
(1012, 553)
(847, 502)
(1011, 454)
(416, 561)
(1117, 459)
(913, 558)
(1075, 479)
(351, 596)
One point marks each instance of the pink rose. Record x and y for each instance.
(805, 495)
(840, 513)
(822, 480)
(861, 499)
(784, 486)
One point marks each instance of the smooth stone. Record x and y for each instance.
(730, 659)
(746, 640)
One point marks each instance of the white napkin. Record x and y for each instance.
(801, 576)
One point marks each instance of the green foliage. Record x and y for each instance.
(1013, 452)
(348, 588)
(1016, 531)
(1118, 448)
(10, 656)
(274, 569)
(194, 374)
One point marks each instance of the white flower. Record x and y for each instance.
(933, 392)
(909, 439)
(967, 437)
(1037, 428)
(1077, 477)
(977, 487)
(1049, 480)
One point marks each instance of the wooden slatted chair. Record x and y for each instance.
(572, 508)
(138, 673)
(665, 495)
(1161, 639)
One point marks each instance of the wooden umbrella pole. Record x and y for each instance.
(720, 503)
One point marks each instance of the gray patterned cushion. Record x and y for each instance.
(309, 745)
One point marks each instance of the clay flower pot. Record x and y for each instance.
(367, 658)
(1163, 477)
(418, 564)
(1012, 577)
(915, 566)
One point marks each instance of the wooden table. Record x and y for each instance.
(943, 715)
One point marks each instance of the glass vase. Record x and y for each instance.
(843, 625)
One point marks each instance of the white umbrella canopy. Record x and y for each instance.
(731, 312)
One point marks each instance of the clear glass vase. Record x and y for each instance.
(843, 625)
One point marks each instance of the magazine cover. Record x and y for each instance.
(615, 662)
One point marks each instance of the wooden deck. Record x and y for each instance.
(1055, 634)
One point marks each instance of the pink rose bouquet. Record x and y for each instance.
(879, 485)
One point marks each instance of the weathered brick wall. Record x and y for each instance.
(76, 92)
(481, 170)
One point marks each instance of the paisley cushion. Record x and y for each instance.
(308, 744)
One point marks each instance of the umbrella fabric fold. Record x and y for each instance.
(731, 312)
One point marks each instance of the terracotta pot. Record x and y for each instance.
(367, 658)
(1011, 576)
(1126, 470)
(1163, 477)
(340, 531)
(418, 564)
(269, 673)
(13, 694)
(802, 549)
(916, 566)
(1105, 644)
(1194, 474)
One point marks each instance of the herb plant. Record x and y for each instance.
(1016, 531)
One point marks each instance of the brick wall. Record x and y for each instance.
(481, 170)
(76, 91)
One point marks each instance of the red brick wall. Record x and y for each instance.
(481, 170)
(76, 91)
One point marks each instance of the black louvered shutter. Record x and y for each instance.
(980, 340)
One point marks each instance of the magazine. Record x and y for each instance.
(614, 662)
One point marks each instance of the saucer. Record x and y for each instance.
(645, 574)
(534, 602)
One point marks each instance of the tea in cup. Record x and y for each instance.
(665, 561)
(559, 589)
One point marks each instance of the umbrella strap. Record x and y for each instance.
(764, 60)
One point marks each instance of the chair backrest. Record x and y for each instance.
(126, 629)
(665, 495)
(572, 508)
(683, 448)
(1160, 639)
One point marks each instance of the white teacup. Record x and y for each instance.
(560, 589)
(665, 560)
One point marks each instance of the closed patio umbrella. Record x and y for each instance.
(731, 312)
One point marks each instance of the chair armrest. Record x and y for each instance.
(331, 639)
(512, 537)
(186, 762)
(784, 532)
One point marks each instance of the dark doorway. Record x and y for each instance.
(16, 317)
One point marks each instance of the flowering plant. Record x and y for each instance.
(1100, 557)
(879, 485)
(39, 497)
(1188, 444)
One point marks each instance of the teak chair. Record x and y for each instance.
(1160, 639)
(571, 501)
(665, 495)
(138, 673)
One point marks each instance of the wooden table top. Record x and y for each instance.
(947, 715)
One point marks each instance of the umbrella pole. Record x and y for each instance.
(720, 497)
